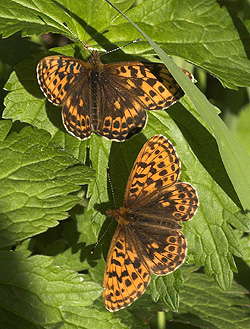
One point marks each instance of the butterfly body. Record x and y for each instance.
(148, 237)
(110, 99)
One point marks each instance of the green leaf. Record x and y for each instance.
(46, 16)
(4, 129)
(234, 157)
(245, 242)
(211, 240)
(242, 129)
(36, 179)
(25, 102)
(47, 296)
(204, 305)
(97, 191)
(167, 289)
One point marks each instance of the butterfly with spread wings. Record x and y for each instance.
(110, 99)
(148, 237)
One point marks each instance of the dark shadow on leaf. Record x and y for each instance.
(54, 114)
(188, 321)
(17, 126)
(26, 73)
(16, 49)
(122, 158)
(102, 207)
(205, 148)
(238, 23)
(98, 37)
(243, 275)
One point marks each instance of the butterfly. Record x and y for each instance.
(148, 237)
(110, 99)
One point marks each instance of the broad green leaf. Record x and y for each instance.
(36, 179)
(234, 157)
(201, 32)
(13, 321)
(38, 294)
(97, 191)
(25, 102)
(211, 239)
(49, 16)
(167, 289)
(245, 242)
(203, 304)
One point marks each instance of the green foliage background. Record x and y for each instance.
(53, 187)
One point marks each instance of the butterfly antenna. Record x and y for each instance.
(102, 236)
(118, 48)
(76, 37)
(107, 228)
(111, 187)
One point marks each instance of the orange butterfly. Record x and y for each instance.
(148, 237)
(110, 99)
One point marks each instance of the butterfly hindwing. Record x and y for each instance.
(163, 249)
(120, 113)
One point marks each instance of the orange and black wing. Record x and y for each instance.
(64, 81)
(127, 90)
(137, 250)
(153, 192)
(157, 166)
(161, 248)
(126, 275)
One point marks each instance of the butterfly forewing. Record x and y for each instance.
(59, 75)
(156, 166)
(141, 80)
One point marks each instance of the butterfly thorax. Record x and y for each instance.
(122, 215)
(96, 64)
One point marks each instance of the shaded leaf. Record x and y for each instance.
(36, 178)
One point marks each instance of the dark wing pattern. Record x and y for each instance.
(135, 251)
(127, 90)
(110, 99)
(126, 275)
(156, 166)
(64, 81)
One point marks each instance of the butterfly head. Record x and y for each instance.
(122, 215)
(95, 61)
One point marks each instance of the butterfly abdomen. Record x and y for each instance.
(95, 81)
